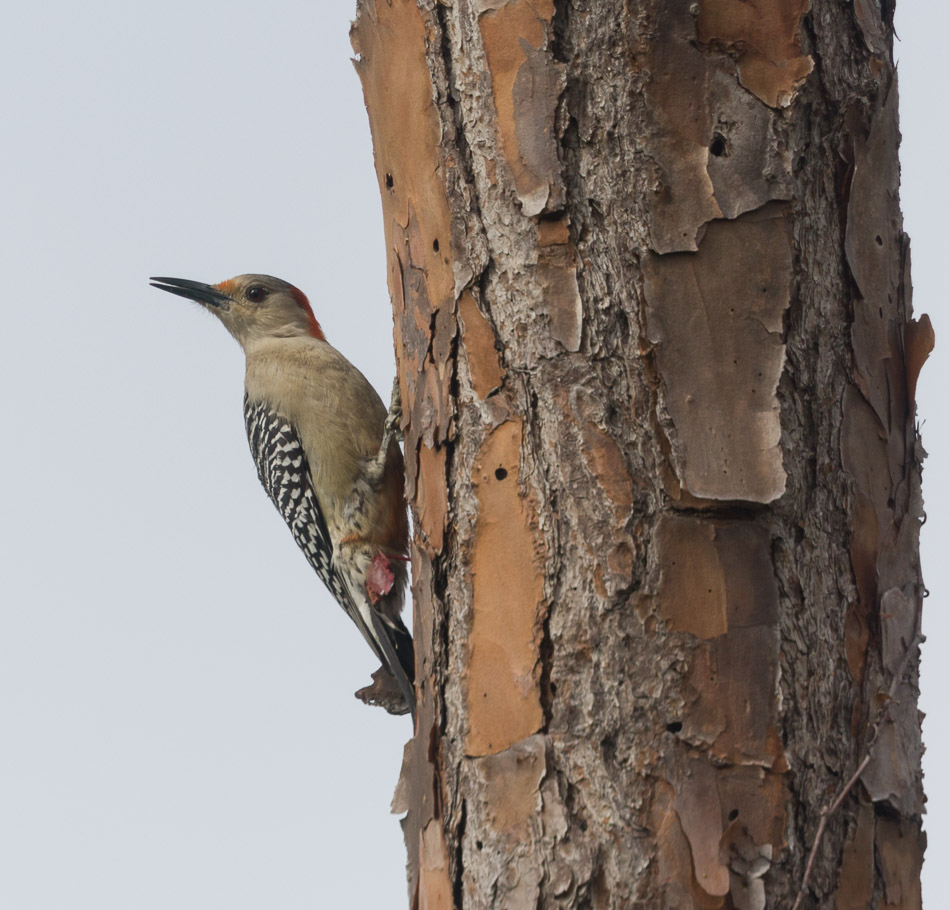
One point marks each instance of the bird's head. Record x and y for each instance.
(252, 307)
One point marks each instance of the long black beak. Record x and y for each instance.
(193, 290)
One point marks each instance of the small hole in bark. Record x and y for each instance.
(435, 245)
(674, 727)
(718, 146)
(553, 688)
(583, 826)
(878, 240)
(733, 815)
(500, 473)
(389, 181)
(478, 845)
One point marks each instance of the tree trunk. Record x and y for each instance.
(652, 309)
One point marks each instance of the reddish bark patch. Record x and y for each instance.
(435, 884)
(715, 318)
(713, 143)
(764, 36)
(390, 41)
(432, 497)
(674, 867)
(526, 86)
(507, 805)
(606, 462)
(700, 814)
(691, 588)
(919, 341)
(733, 818)
(557, 275)
(679, 103)
(714, 580)
(478, 338)
(504, 699)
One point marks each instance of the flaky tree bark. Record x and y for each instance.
(654, 333)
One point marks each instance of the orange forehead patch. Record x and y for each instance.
(226, 287)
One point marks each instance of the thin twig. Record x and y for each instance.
(828, 811)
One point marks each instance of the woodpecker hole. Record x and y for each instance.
(733, 815)
(674, 727)
(478, 845)
(878, 240)
(435, 245)
(500, 473)
(717, 147)
(389, 181)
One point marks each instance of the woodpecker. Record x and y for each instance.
(326, 452)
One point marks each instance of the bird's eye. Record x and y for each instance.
(256, 293)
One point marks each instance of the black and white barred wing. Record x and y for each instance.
(283, 470)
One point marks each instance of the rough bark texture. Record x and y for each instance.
(654, 332)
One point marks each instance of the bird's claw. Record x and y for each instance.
(393, 426)
(392, 429)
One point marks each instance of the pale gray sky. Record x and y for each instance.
(178, 728)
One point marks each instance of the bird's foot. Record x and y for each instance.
(392, 429)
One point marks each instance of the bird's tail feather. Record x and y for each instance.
(397, 653)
